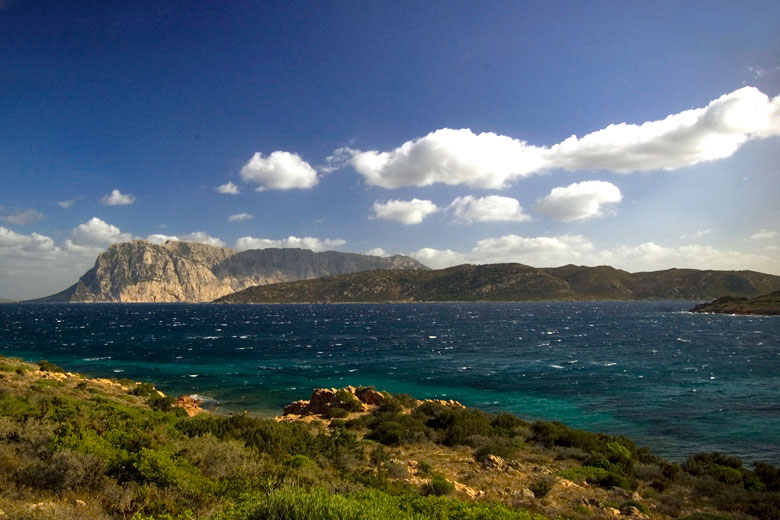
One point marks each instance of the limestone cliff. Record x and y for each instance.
(139, 271)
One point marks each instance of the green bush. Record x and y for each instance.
(336, 413)
(46, 366)
(438, 487)
(347, 401)
(642, 508)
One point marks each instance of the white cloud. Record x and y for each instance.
(449, 156)
(279, 171)
(578, 201)
(228, 189)
(24, 218)
(492, 161)
(763, 235)
(117, 198)
(404, 211)
(240, 217)
(576, 249)
(65, 204)
(95, 234)
(689, 137)
(377, 251)
(492, 208)
(315, 244)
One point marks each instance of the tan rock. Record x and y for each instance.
(189, 404)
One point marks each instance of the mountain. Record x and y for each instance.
(512, 282)
(766, 304)
(140, 271)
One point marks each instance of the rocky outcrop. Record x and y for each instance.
(350, 398)
(189, 404)
(139, 271)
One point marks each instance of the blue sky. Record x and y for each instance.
(437, 129)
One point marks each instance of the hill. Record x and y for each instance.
(140, 271)
(512, 282)
(767, 305)
(97, 449)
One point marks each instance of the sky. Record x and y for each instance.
(643, 135)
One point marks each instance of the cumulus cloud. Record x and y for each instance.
(491, 161)
(450, 156)
(96, 233)
(65, 204)
(279, 171)
(492, 208)
(579, 201)
(315, 244)
(377, 251)
(228, 189)
(117, 198)
(404, 211)
(554, 251)
(763, 235)
(24, 217)
(240, 217)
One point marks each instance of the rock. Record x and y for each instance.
(371, 397)
(631, 511)
(444, 402)
(189, 404)
(612, 511)
(81, 503)
(494, 462)
(296, 408)
(524, 494)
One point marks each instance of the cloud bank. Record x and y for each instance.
(491, 161)
(279, 171)
(544, 251)
(579, 201)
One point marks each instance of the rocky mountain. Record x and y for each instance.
(140, 271)
(766, 304)
(513, 282)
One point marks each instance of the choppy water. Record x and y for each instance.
(677, 382)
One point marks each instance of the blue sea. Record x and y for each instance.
(677, 382)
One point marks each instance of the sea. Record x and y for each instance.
(677, 382)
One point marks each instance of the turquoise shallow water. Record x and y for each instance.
(677, 382)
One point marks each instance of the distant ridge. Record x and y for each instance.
(140, 271)
(512, 282)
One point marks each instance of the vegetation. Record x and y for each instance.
(71, 447)
(767, 304)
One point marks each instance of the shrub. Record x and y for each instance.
(642, 508)
(46, 366)
(438, 486)
(424, 468)
(347, 401)
(336, 413)
(145, 390)
(541, 486)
